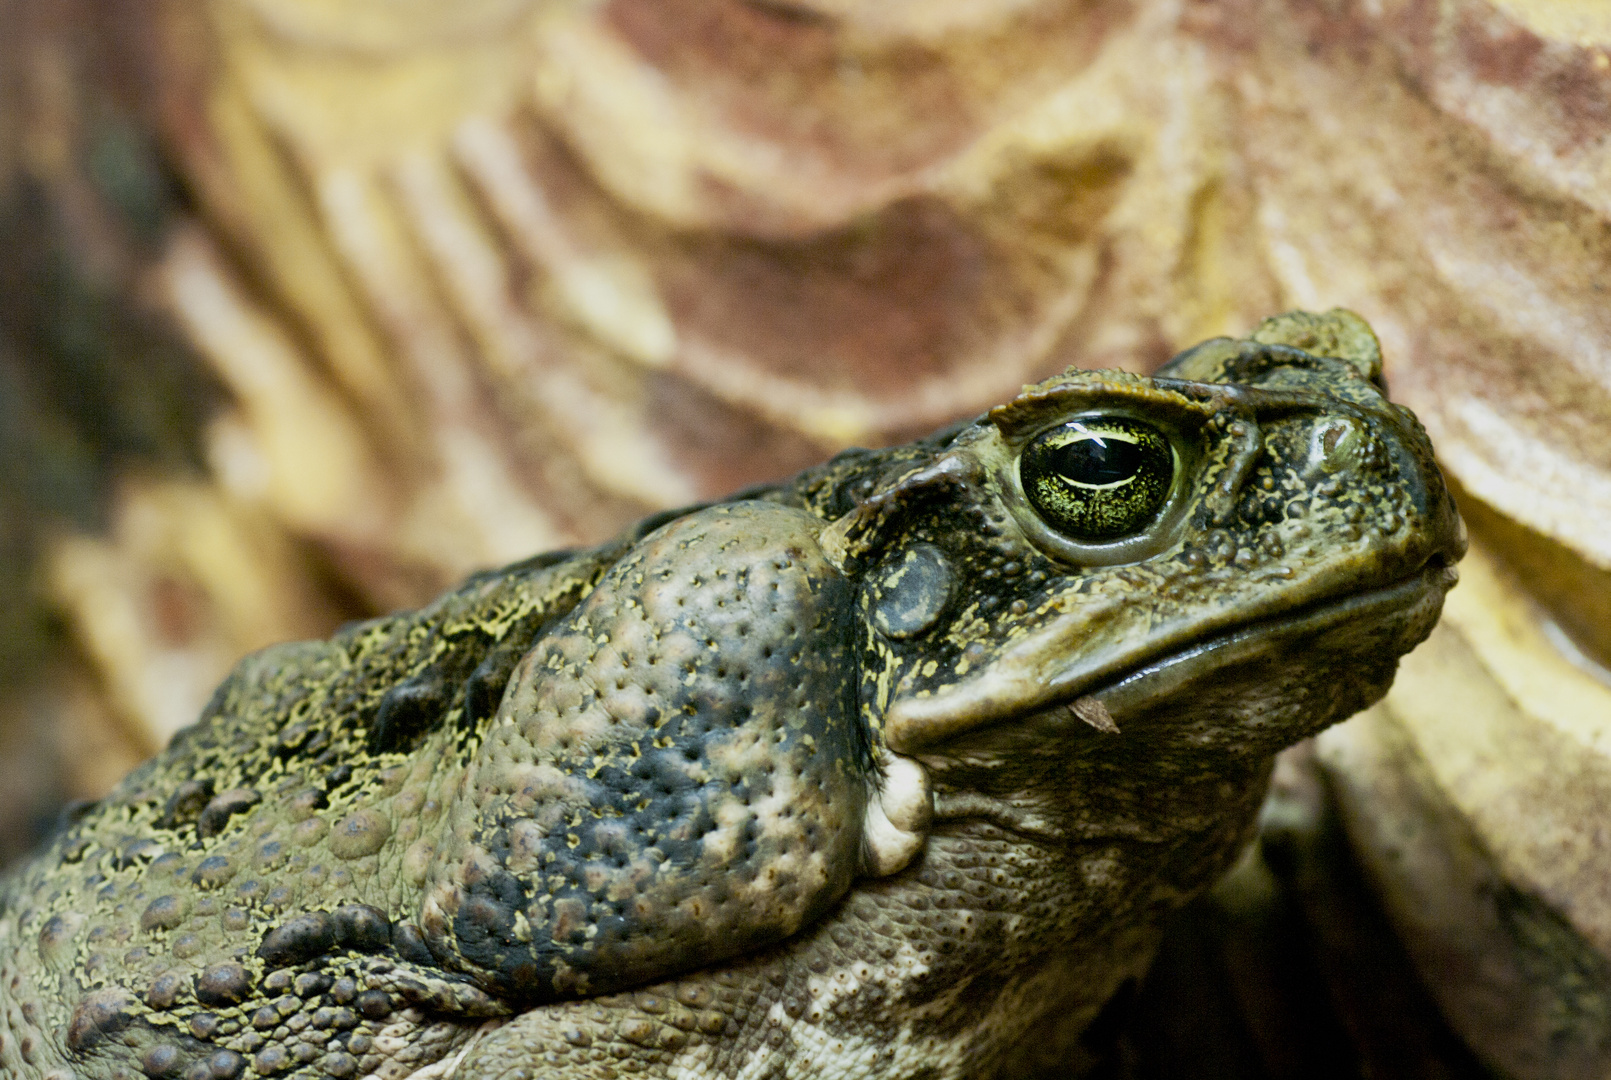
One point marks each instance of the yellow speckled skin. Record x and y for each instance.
(869, 774)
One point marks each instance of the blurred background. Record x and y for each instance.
(308, 308)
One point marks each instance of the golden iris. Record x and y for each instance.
(1098, 478)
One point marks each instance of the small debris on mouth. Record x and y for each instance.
(1095, 713)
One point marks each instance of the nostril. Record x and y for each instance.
(1443, 561)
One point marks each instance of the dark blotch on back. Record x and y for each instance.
(222, 807)
(361, 928)
(223, 984)
(298, 939)
(358, 927)
(473, 669)
(407, 712)
(464, 664)
(483, 691)
(409, 944)
(186, 803)
(485, 922)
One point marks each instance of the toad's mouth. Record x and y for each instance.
(1160, 677)
(1127, 678)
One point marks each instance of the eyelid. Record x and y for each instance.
(1096, 393)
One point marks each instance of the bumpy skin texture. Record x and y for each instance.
(868, 774)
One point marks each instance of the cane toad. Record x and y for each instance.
(889, 770)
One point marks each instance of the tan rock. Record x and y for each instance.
(1475, 796)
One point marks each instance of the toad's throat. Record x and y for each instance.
(1126, 678)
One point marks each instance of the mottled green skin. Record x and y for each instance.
(867, 774)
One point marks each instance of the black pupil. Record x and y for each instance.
(1097, 461)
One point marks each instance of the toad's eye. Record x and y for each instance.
(1098, 478)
